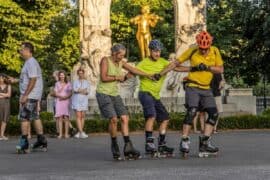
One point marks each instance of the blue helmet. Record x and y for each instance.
(155, 45)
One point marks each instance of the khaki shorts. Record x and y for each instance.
(111, 106)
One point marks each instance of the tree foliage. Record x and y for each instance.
(23, 20)
(241, 31)
(52, 26)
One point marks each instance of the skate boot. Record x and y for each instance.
(41, 144)
(165, 151)
(206, 149)
(130, 152)
(115, 151)
(150, 147)
(184, 146)
(23, 146)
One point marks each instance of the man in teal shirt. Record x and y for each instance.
(150, 99)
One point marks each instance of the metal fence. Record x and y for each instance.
(260, 103)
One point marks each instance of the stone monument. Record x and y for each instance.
(95, 38)
(190, 18)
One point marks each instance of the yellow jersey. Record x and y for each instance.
(201, 79)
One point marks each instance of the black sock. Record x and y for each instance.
(148, 134)
(114, 140)
(205, 138)
(126, 139)
(161, 138)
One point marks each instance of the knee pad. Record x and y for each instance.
(212, 116)
(190, 115)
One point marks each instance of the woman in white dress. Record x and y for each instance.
(81, 87)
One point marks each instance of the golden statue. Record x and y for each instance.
(144, 22)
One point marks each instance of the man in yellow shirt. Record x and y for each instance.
(205, 60)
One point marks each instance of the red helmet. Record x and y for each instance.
(204, 40)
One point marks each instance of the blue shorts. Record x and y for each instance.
(152, 107)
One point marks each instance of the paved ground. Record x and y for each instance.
(244, 155)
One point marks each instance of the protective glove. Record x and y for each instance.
(200, 67)
(156, 76)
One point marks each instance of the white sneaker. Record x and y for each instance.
(83, 135)
(78, 135)
(4, 138)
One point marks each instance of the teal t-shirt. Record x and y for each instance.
(151, 67)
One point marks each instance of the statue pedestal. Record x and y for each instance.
(239, 92)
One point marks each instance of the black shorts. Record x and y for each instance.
(152, 107)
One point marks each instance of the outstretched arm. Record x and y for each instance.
(134, 70)
(168, 68)
(182, 69)
(135, 20)
(216, 69)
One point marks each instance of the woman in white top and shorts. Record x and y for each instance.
(81, 87)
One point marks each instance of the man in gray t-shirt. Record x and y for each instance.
(31, 86)
(31, 69)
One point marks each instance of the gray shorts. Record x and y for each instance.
(196, 97)
(111, 106)
(29, 110)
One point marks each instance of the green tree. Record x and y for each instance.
(241, 31)
(62, 51)
(24, 20)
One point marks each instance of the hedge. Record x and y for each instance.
(136, 123)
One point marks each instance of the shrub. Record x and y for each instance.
(137, 122)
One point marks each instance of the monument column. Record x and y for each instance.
(95, 38)
(190, 18)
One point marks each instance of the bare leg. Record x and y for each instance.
(3, 129)
(66, 122)
(195, 120)
(24, 127)
(113, 127)
(57, 125)
(38, 126)
(215, 127)
(124, 125)
(60, 126)
(202, 120)
(78, 120)
(149, 124)
(163, 127)
(83, 119)
(29, 131)
(186, 130)
(208, 129)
